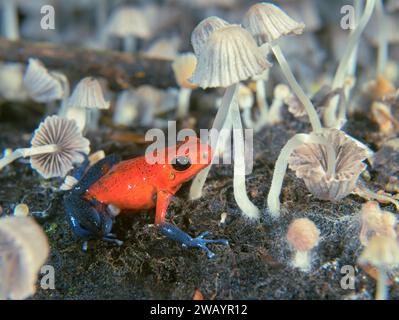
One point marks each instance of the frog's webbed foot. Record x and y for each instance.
(174, 233)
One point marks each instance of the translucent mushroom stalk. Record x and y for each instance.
(331, 120)
(240, 193)
(285, 68)
(382, 55)
(302, 260)
(280, 168)
(382, 290)
(217, 126)
(10, 20)
(27, 152)
(183, 102)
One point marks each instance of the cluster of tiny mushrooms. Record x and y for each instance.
(327, 159)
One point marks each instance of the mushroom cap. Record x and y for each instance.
(88, 94)
(183, 67)
(163, 49)
(267, 22)
(66, 135)
(309, 161)
(381, 252)
(128, 21)
(23, 250)
(203, 30)
(230, 55)
(303, 234)
(41, 85)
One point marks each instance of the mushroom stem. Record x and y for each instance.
(310, 109)
(382, 57)
(261, 98)
(65, 85)
(330, 118)
(382, 292)
(247, 119)
(183, 102)
(353, 59)
(10, 21)
(129, 44)
(27, 152)
(301, 260)
(218, 124)
(280, 167)
(240, 192)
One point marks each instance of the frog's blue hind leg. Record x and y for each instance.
(174, 233)
(89, 219)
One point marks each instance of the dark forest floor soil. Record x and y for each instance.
(256, 265)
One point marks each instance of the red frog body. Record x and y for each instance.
(138, 184)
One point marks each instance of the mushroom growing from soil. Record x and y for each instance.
(183, 68)
(227, 56)
(23, 250)
(382, 253)
(303, 236)
(267, 23)
(56, 145)
(130, 24)
(331, 119)
(375, 221)
(88, 95)
(329, 162)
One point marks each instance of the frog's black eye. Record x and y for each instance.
(181, 163)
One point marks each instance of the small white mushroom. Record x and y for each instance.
(382, 253)
(130, 24)
(88, 94)
(267, 23)
(183, 67)
(281, 92)
(56, 144)
(23, 250)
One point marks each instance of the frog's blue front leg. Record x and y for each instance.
(174, 233)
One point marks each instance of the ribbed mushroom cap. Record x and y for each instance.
(183, 67)
(128, 21)
(23, 250)
(303, 234)
(267, 22)
(88, 94)
(381, 252)
(309, 161)
(230, 55)
(71, 144)
(42, 86)
(203, 30)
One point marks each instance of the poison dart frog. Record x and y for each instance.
(140, 183)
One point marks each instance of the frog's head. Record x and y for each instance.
(190, 158)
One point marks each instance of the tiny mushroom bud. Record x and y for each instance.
(281, 92)
(23, 250)
(382, 253)
(163, 49)
(245, 99)
(55, 146)
(183, 68)
(303, 235)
